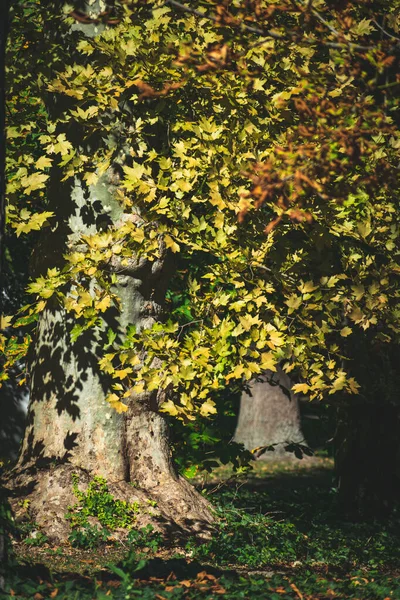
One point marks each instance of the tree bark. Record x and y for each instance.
(269, 415)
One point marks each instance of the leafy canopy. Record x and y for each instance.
(254, 140)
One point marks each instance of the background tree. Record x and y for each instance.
(269, 416)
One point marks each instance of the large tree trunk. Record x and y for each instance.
(72, 428)
(269, 416)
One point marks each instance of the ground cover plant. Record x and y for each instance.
(279, 535)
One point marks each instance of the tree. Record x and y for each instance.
(266, 153)
(71, 426)
(269, 416)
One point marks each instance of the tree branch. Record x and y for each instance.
(292, 36)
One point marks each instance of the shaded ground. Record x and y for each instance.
(279, 535)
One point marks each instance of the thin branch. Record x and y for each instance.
(393, 37)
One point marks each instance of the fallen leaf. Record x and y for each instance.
(296, 589)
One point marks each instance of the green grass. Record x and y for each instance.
(279, 536)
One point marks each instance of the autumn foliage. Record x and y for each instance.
(257, 140)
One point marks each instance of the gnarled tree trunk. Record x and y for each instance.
(269, 415)
(71, 427)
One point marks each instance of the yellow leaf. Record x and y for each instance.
(85, 299)
(91, 178)
(248, 321)
(356, 315)
(339, 383)
(300, 388)
(169, 408)
(219, 220)
(135, 360)
(75, 257)
(236, 373)
(353, 385)
(36, 286)
(138, 388)
(54, 272)
(208, 408)
(46, 292)
(31, 221)
(364, 229)
(33, 182)
(306, 288)
(293, 303)
(44, 162)
(63, 146)
(122, 373)
(358, 291)
(40, 306)
(116, 403)
(346, 331)
(5, 322)
(105, 363)
(103, 304)
(170, 243)
(276, 339)
(268, 361)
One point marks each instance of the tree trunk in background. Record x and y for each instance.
(3, 549)
(367, 458)
(5, 559)
(367, 439)
(270, 415)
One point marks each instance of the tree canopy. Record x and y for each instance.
(254, 145)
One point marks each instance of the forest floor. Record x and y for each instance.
(279, 536)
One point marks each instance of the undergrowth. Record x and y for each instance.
(278, 537)
(97, 502)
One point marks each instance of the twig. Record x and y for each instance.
(385, 32)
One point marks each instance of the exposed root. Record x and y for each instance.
(44, 496)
